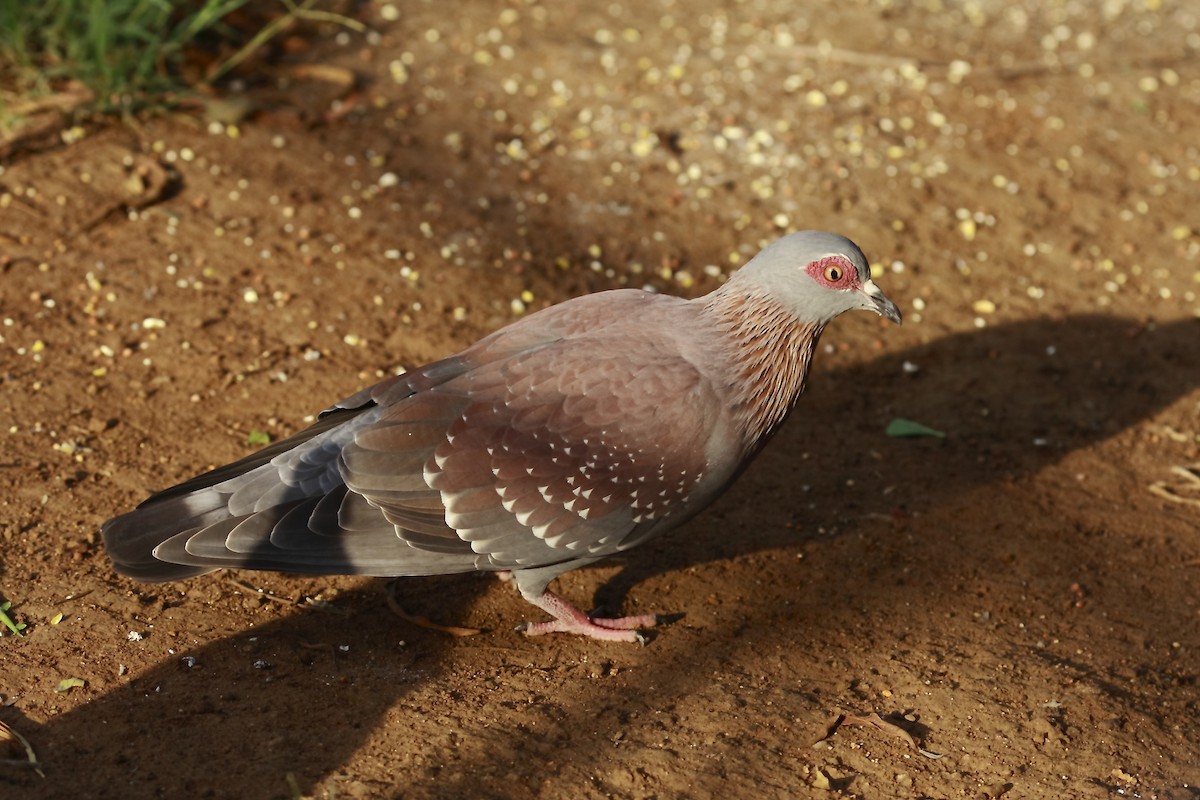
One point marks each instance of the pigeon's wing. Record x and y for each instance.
(558, 454)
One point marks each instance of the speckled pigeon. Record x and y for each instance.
(575, 433)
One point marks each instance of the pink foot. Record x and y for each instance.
(568, 619)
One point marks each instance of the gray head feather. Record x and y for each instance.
(782, 268)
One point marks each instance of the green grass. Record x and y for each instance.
(8, 622)
(129, 54)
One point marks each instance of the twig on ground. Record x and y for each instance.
(1175, 494)
(873, 720)
(422, 622)
(30, 760)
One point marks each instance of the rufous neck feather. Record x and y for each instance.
(770, 350)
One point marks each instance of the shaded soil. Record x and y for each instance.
(1021, 596)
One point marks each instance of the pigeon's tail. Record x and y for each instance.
(131, 538)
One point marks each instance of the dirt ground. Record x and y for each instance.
(1021, 597)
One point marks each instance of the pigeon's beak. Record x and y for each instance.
(877, 302)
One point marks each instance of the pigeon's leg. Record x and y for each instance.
(568, 619)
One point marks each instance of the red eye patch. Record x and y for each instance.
(833, 272)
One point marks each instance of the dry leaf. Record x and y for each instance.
(67, 684)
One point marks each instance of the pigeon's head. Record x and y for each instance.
(819, 275)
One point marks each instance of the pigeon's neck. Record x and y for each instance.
(770, 350)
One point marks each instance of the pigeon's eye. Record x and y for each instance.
(833, 272)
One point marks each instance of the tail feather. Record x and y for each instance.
(132, 539)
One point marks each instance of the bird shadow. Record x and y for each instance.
(205, 722)
(1011, 400)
